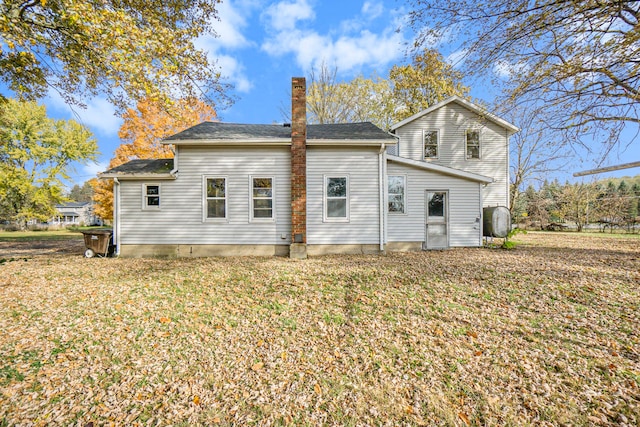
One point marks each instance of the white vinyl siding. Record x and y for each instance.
(452, 121)
(463, 207)
(361, 166)
(181, 219)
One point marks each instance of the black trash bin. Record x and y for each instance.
(98, 242)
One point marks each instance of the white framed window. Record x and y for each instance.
(431, 139)
(472, 143)
(151, 196)
(261, 198)
(215, 197)
(396, 191)
(336, 198)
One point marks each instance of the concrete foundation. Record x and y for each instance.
(403, 246)
(298, 251)
(195, 251)
(317, 250)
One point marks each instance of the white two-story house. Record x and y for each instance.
(298, 189)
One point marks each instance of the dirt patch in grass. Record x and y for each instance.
(33, 248)
(546, 334)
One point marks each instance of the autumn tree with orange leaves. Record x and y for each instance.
(142, 132)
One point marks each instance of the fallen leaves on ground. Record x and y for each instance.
(545, 334)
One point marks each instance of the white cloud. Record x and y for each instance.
(91, 170)
(233, 20)
(285, 15)
(346, 53)
(99, 115)
(372, 10)
(456, 59)
(229, 28)
(349, 49)
(234, 72)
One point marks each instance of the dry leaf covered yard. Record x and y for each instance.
(545, 334)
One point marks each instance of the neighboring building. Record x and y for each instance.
(245, 189)
(76, 213)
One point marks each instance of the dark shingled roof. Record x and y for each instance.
(244, 132)
(138, 166)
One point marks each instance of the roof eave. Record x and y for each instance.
(352, 142)
(134, 176)
(441, 169)
(257, 141)
(467, 104)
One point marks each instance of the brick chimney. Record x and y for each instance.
(298, 247)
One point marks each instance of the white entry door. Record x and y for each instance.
(437, 224)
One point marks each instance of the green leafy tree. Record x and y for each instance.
(359, 100)
(428, 80)
(81, 193)
(128, 50)
(36, 153)
(579, 61)
(409, 89)
(575, 201)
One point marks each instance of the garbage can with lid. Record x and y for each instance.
(98, 242)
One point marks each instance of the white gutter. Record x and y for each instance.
(116, 215)
(381, 161)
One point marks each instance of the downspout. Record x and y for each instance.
(174, 171)
(381, 160)
(480, 228)
(116, 215)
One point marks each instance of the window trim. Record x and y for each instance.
(325, 206)
(252, 218)
(424, 150)
(466, 144)
(406, 208)
(145, 196)
(205, 218)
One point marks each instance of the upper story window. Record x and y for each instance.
(472, 144)
(396, 193)
(151, 196)
(336, 198)
(430, 144)
(215, 196)
(261, 198)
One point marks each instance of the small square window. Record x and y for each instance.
(151, 196)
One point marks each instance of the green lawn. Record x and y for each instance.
(29, 236)
(545, 334)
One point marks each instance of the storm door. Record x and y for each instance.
(437, 224)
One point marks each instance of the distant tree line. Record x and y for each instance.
(608, 204)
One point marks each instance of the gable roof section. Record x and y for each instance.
(211, 133)
(138, 168)
(466, 104)
(441, 169)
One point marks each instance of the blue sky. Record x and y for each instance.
(262, 44)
